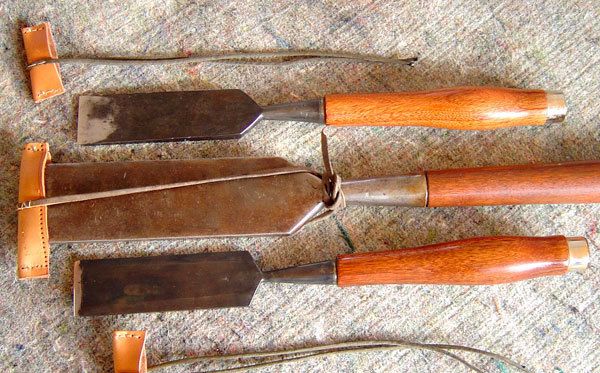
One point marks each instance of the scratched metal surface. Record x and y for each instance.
(549, 324)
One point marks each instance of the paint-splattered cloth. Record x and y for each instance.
(551, 324)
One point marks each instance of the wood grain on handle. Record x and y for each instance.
(461, 108)
(576, 182)
(475, 261)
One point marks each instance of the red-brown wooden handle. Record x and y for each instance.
(575, 182)
(460, 108)
(475, 261)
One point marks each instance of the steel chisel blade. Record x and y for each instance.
(164, 283)
(165, 116)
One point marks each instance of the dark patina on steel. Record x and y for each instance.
(273, 205)
(179, 282)
(177, 116)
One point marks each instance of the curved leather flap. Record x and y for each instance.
(46, 81)
(33, 248)
(129, 351)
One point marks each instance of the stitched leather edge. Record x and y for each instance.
(129, 351)
(33, 250)
(39, 44)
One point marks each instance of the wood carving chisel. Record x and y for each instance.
(229, 279)
(228, 114)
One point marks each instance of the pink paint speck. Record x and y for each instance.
(593, 229)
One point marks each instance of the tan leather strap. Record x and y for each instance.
(46, 81)
(129, 351)
(33, 248)
(242, 58)
(71, 198)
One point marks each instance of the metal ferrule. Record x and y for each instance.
(322, 273)
(579, 254)
(556, 107)
(304, 111)
(405, 190)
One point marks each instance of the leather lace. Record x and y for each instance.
(333, 196)
(242, 58)
(260, 360)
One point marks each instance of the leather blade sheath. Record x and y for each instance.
(272, 205)
(164, 283)
(165, 116)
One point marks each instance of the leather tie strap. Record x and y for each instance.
(332, 182)
(46, 81)
(130, 355)
(71, 198)
(333, 197)
(33, 236)
(242, 58)
(43, 62)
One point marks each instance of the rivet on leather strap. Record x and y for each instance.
(46, 81)
(32, 239)
(129, 351)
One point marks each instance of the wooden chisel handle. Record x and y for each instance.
(475, 261)
(575, 182)
(460, 108)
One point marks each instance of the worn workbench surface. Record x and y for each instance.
(548, 324)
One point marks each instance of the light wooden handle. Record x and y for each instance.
(475, 261)
(576, 182)
(461, 108)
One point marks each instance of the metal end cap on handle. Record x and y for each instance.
(556, 107)
(579, 254)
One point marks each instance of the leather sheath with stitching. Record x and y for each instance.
(33, 248)
(46, 81)
(129, 351)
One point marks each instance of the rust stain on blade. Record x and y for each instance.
(165, 116)
(273, 205)
(166, 283)
(99, 122)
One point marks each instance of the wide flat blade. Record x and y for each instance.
(164, 283)
(274, 205)
(165, 116)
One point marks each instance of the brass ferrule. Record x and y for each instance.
(579, 254)
(556, 107)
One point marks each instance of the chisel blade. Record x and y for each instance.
(164, 283)
(274, 205)
(165, 116)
